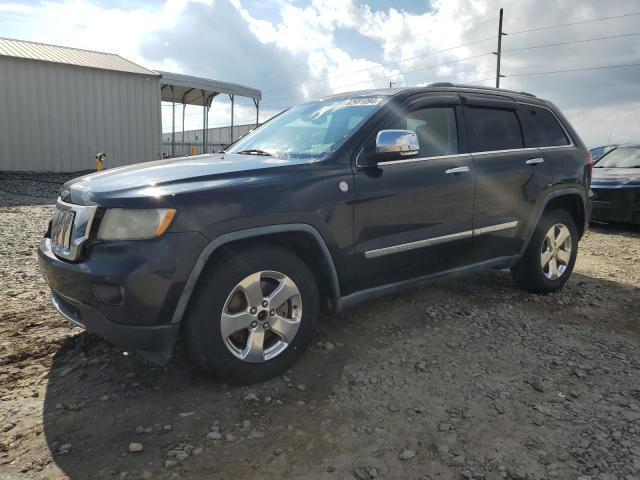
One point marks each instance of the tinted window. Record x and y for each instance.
(542, 128)
(493, 129)
(436, 128)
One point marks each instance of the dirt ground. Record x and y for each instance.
(470, 378)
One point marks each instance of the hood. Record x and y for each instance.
(170, 177)
(615, 177)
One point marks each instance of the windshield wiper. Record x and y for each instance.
(255, 151)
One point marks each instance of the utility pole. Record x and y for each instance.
(499, 52)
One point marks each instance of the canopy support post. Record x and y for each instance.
(184, 106)
(204, 119)
(232, 97)
(173, 123)
(185, 152)
(256, 102)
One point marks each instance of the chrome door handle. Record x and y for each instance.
(535, 161)
(456, 170)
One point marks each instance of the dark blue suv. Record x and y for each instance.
(327, 204)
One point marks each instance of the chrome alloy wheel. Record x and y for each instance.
(261, 316)
(555, 254)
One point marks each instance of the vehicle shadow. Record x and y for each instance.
(626, 229)
(100, 399)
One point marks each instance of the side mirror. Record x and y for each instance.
(391, 145)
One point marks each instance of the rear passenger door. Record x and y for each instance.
(543, 130)
(509, 175)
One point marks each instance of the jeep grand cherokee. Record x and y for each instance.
(325, 205)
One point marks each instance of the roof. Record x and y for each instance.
(69, 56)
(439, 86)
(189, 90)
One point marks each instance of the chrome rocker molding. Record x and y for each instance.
(427, 242)
(353, 299)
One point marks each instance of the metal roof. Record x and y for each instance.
(70, 56)
(189, 90)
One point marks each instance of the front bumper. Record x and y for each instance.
(125, 292)
(611, 212)
(159, 339)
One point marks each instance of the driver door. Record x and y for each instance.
(413, 216)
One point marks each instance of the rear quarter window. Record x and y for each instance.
(493, 129)
(541, 128)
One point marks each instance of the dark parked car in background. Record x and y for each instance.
(326, 205)
(616, 186)
(598, 152)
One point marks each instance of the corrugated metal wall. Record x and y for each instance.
(56, 117)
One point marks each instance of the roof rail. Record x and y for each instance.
(478, 87)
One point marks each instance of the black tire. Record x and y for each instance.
(529, 273)
(202, 335)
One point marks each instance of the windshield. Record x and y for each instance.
(627, 157)
(311, 130)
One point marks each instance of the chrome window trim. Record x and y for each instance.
(571, 144)
(84, 215)
(427, 242)
(422, 159)
(508, 150)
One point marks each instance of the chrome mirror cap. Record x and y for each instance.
(402, 142)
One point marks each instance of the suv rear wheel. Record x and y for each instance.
(549, 259)
(253, 315)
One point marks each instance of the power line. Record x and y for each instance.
(386, 64)
(480, 41)
(537, 29)
(584, 69)
(404, 37)
(385, 77)
(594, 39)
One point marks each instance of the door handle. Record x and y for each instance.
(535, 161)
(456, 170)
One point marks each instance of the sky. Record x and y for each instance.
(305, 49)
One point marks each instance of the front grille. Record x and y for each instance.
(61, 228)
(616, 195)
(70, 228)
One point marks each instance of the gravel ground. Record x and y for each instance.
(32, 188)
(465, 379)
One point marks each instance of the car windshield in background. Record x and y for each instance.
(312, 130)
(625, 157)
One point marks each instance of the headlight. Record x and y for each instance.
(134, 224)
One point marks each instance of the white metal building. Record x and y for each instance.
(61, 106)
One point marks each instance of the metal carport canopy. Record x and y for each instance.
(188, 90)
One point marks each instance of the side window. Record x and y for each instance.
(436, 128)
(493, 129)
(541, 128)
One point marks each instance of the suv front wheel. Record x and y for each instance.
(549, 259)
(253, 315)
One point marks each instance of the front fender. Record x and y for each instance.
(227, 238)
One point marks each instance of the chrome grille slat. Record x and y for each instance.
(70, 227)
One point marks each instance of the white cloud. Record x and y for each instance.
(305, 50)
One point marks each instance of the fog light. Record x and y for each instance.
(109, 294)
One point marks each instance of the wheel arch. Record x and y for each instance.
(300, 238)
(571, 199)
